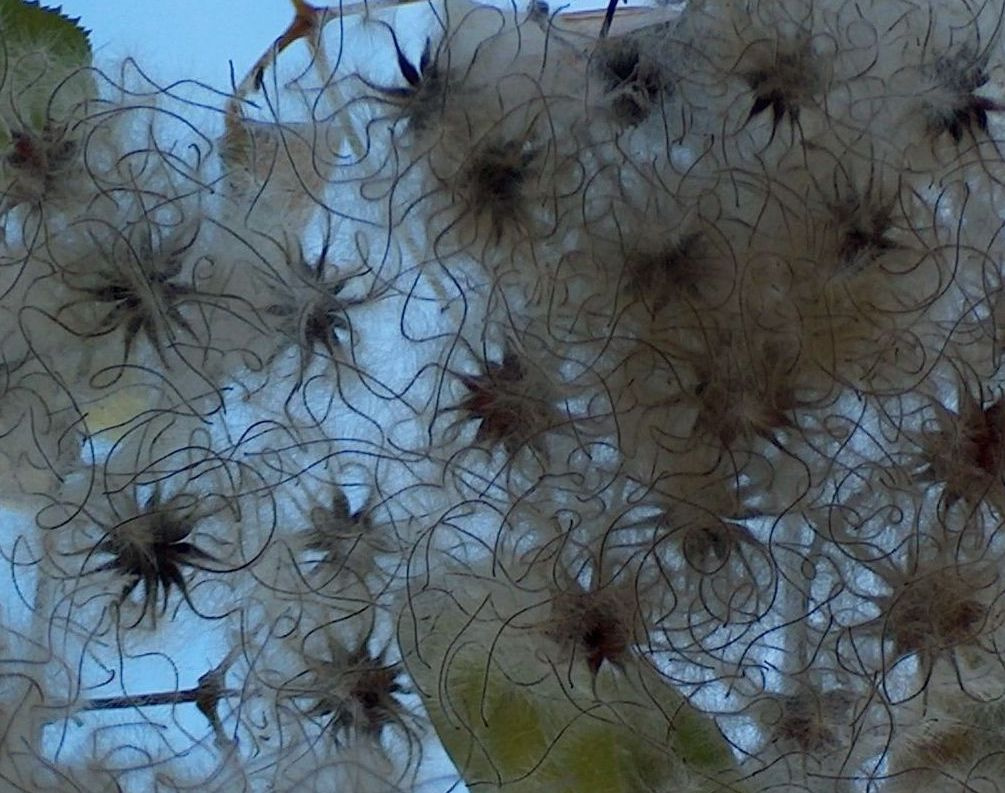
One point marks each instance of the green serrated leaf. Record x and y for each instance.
(44, 65)
(46, 89)
(26, 24)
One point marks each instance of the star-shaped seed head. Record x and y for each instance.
(356, 691)
(152, 547)
(509, 403)
(965, 450)
(594, 623)
(137, 291)
(784, 79)
(956, 107)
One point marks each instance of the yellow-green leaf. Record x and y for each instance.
(514, 715)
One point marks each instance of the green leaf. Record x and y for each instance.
(31, 25)
(44, 79)
(515, 715)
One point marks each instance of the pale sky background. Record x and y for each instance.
(183, 39)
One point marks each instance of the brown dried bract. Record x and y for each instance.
(152, 547)
(783, 78)
(596, 622)
(510, 403)
(358, 691)
(966, 451)
(961, 110)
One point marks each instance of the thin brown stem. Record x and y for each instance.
(155, 699)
